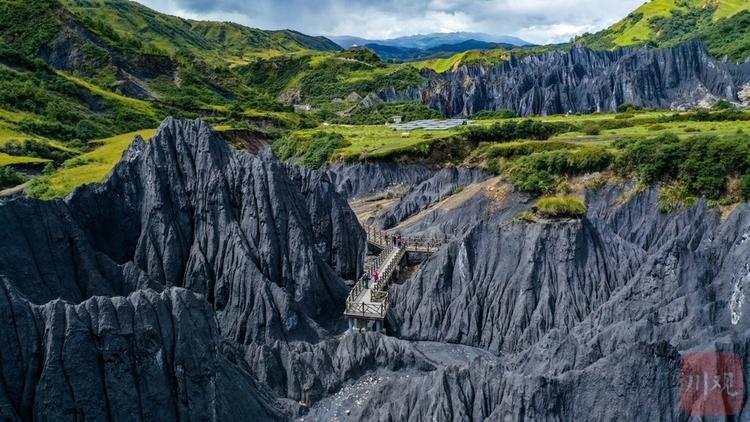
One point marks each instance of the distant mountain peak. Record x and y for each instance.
(431, 40)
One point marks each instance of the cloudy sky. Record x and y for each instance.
(539, 21)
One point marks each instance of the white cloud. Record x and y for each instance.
(540, 21)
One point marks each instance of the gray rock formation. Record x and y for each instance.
(204, 283)
(183, 210)
(362, 180)
(442, 184)
(536, 278)
(150, 356)
(596, 311)
(582, 80)
(339, 238)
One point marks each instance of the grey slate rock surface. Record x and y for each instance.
(502, 287)
(148, 356)
(441, 185)
(596, 312)
(365, 179)
(339, 238)
(183, 210)
(583, 80)
(210, 281)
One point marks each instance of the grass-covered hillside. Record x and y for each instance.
(487, 57)
(724, 25)
(152, 31)
(74, 73)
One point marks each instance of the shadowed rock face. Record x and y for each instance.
(591, 307)
(339, 238)
(365, 179)
(149, 356)
(504, 286)
(185, 210)
(259, 245)
(582, 80)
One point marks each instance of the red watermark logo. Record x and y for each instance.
(711, 384)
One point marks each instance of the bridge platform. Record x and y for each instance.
(368, 300)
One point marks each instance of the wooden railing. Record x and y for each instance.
(357, 290)
(368, 310)
(411, 244)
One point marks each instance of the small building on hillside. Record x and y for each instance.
(302, 108)
(396, 120)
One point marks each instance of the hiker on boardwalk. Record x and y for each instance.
(367, 281)
(399, 241)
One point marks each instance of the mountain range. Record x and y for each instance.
(391, 52)
(428, 41)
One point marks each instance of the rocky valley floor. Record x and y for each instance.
(199, 282)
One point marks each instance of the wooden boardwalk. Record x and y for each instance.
(368, 300)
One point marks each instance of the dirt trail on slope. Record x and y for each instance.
(494, 189)
(372, 208)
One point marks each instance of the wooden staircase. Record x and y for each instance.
(368, 300)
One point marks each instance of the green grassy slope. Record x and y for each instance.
(321, 78)
(163, 33)
(722, 24)
(91, 167)
(62, 79)
(488, 57)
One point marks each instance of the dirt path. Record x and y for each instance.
(16, 190)
(493, 188)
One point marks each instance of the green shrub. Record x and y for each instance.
(560, 207)
(9, 177)
(526, 216)
(723, 105)
(40, 188)
(49, 169)
(499, 114)
(656, 128)
(36, 148)
(495, 166)
(701, 163)
(512, 130)
(362, 54)
(525, 178)
(537, 173)
(745, 187)
(591, 129)
(517, 149)
(313, 151)
(672, 198)
(77, 162)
